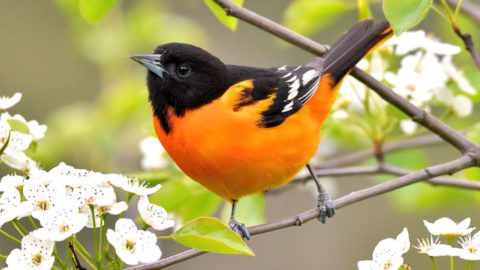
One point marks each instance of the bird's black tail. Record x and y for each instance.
(353, 46)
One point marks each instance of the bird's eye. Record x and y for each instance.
(183, 70)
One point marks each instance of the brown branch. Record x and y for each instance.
(383, 168)
(450, 167)
(426, 140)
(467, 40)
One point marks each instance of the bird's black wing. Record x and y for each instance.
(294, 88)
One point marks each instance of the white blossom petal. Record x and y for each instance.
(8, 102)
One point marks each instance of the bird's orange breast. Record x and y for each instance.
(227, 152)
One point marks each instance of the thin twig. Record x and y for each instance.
(469, 8)
(423, 141)
(468, 41)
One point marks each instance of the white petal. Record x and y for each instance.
(403, 240)
(408, 126)
(125, 225)
(118, 208)
(8, 102)
(366, 265)
(154, 215)
(34, 245)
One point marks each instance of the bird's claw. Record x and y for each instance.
(239, 228)
(327, 209)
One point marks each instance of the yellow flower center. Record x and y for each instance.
(37, 259)
(64, 228)
(130, 246)
(472, 249)
(387, 265)
(43, 205)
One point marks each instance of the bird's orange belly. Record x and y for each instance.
(233, 157)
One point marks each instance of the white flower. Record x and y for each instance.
(35, 254)
(418, 77)
(470, 247)
(153, 154)
(61, 223)
(448, 228)
(433, 248)
(415, 40)
(133, 246)
(8, 102)
(11, 207)
(387, 255)
(43, 199)
(462, 106)
(154, 215)
(132, 185)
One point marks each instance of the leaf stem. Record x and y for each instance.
(457, 8)
(14, 224)
(434, 264)
(11, 237)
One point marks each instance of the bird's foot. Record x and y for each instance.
(325, 204)
(239, 228)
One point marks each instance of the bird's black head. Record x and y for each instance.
(182, 77)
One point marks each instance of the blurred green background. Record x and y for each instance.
(76, 78)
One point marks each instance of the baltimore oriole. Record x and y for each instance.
(240, 130)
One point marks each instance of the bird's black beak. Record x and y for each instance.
(151, 62)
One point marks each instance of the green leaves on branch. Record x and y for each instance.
(221, 14)
(210, 234)
(93, 10)
(405, 14)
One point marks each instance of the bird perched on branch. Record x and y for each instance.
(240, 130)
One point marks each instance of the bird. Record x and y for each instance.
(241, 130)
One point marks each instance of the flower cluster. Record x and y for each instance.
(17, 135)
(426, 76)
(63, 201)
(388, 253)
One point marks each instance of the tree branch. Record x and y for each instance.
(426, 140)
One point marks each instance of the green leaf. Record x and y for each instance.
(19, 126)
(250, 210)
(405, 14)
(309, 16)
(221, 14)
(93, 10)
(364, 11)
(210, 234)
